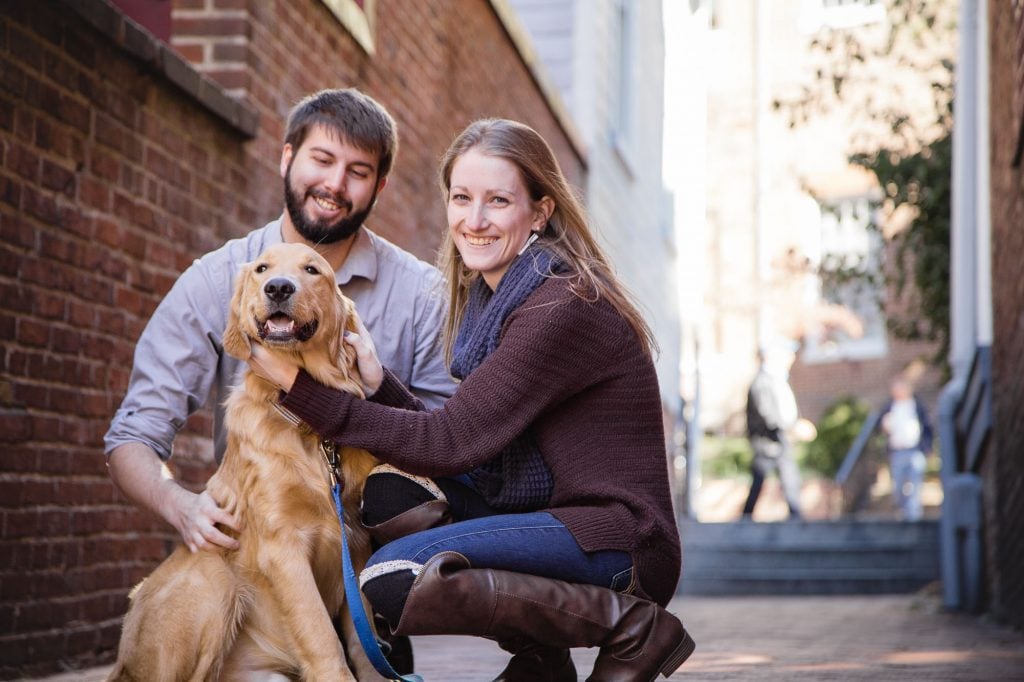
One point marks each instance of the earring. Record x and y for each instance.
(533, 237)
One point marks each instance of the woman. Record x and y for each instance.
(547, 521)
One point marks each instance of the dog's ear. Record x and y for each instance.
(346, 354)
(236, 342)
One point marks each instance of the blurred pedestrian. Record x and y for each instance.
(773, 422)
(909, 440)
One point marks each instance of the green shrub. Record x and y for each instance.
(837, 430)
(725, 457)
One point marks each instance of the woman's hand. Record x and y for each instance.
(273, 367)
(366, 358)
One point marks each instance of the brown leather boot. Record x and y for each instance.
(534, 662)
(421, 517)
(638, 638)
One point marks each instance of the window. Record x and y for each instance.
(850, 261)
(358, 17)
(838, 14)
(621, 90)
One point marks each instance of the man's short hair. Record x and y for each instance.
(356, 118)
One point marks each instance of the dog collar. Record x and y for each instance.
(292, 417)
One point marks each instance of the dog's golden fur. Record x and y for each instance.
(217, 614)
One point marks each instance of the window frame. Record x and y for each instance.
(359, 18)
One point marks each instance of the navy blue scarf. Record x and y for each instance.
(517, 479)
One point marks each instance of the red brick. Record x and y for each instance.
(230, 52)
(10, 261)
(25, 492)
(16, 236)
(52, 138)
(72, 220)
(209, 26)
(25, 121)
(28, 51)
(124, 208)
(105, 165)
(10, 191)
(75, 113)
(129, 300)
(81, 48)
(61, 70)
(40, 205)
(35, 523)
(14, 428)
(13, 79)
(93, 193)
(66, 340)
(50, 305)
(24, 161)
(33, 333)
(132, 243)
(109, 132)
(58, 178)
(195, 53)
(108, 232)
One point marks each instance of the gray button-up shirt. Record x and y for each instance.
(180, 361)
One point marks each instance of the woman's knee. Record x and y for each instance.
(390, 492)
(386, 586)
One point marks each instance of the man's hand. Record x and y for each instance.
(195, 517)
(143, 478)
(366, 358)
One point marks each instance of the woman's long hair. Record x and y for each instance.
(566, 235)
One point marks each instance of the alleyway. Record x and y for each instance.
(783, 638)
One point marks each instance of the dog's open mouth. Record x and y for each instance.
(279, 328)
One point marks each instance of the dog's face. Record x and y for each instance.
(286, 299)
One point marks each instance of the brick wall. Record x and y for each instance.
(1004, 485)
(817, 386)
(118, 166)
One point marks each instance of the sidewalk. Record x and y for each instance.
(900, 637)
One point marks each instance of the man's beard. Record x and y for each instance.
(321, 231)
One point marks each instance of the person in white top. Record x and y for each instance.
(909, 439)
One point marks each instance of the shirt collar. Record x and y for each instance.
(361, 260)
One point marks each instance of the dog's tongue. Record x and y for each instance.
(280, 324)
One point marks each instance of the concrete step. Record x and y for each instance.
(809, 557)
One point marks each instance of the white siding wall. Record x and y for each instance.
(628, 203)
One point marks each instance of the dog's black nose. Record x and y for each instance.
(279, 289)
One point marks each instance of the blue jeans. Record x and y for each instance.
(907, 468)
(535, 543)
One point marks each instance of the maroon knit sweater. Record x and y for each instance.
(573, 373)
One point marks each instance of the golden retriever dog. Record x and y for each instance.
(264, 612)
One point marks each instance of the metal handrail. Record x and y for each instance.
(859, 446)
(965, 421)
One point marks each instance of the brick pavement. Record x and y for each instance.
(898, 637)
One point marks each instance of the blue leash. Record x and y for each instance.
(352, 593)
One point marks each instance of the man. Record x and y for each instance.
(772, 420)
(908, 433)
(338, 150)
